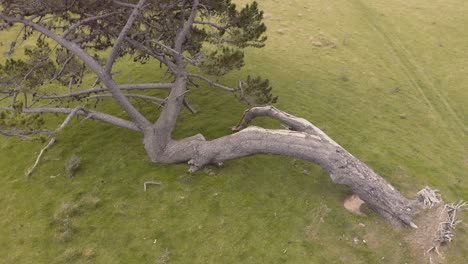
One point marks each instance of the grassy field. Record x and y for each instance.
(385, 79)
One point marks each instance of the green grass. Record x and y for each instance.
(262, 209)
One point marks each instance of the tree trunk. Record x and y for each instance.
(307, 142)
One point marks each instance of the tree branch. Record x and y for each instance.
(25, 100)
(5, 97)
(168, 118)
(143, 97)
(83, 93)
(52, 140)
(150, 183)
(160, 101)
(57, 75)
(39, 63)
(189, 107)
(23, 134)
(219, 27)
(13, 99)
(68, 119)
(118, 43)
(140, 120)
(85, 21)
(89, 115)
(123, 4)
(215, 84)
(182, 35)
(13, 44)
(174, 52)
(145, 49)
(295, 123)
(39, 157)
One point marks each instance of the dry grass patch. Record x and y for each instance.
(436, 227)
(90, 202)
(63, 221)
(314, 229)
(423, 238)
(322, 41)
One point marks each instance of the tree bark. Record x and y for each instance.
(307, 142)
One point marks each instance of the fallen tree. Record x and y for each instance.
(205, 35)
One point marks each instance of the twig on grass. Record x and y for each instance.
(150, 183)
(52, 140)
(38, 159)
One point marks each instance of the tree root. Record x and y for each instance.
(428, 197)
(444, 220)
(445, 234)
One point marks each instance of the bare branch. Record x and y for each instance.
(295, 123)
(39, 157)
(143, 97)
(40, 63)
(219, 27)
(84, 93)
(89, 115)
(13, 99)
(52, 140)
(13, 44)
(191, 61)
(85, 21)
(57, 75)
(215, 84)
(140, 120)
(137, 45)
(118, 43)
(21, 133)
(5, 97)
(68, 119)
(70, 85)
(160, 101)
(181, 36)
(123, 4)
(150, 183)
(25, 100)
(189, 107)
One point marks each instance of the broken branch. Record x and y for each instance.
(150, 183)
(215, 84)
(39, 157)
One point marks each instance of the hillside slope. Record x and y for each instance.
(385, 79)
